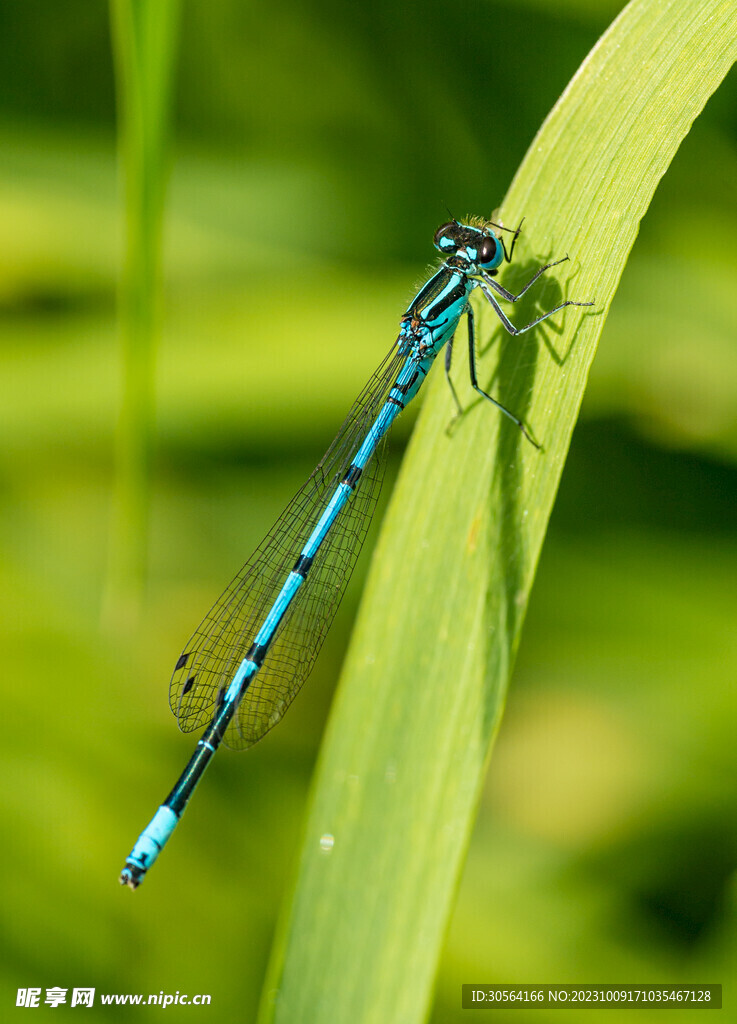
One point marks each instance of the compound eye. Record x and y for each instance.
(489, 251)
(445, 237)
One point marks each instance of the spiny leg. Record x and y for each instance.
(508, 255)
(448, 357)
(510, 296)
(507, 323)
(475, 383)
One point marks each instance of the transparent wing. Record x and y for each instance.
(219, 644)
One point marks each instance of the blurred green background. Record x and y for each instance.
(316, 147)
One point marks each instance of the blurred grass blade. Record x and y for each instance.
(144, 40)
(403, 761)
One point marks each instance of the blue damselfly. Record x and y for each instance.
(254, 649)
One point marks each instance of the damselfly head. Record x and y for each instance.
(469, 247)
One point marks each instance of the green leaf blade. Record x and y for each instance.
(144, 37)
(411, 731)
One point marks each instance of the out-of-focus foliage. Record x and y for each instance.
(317, 146)
(145, 40)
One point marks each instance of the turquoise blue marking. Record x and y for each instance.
(253, 651)
(385, 419)
(327, 519)
(151, 841)
(284, 599)
(246, 669)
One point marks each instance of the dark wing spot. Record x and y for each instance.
(188, 685)
(182, 662)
